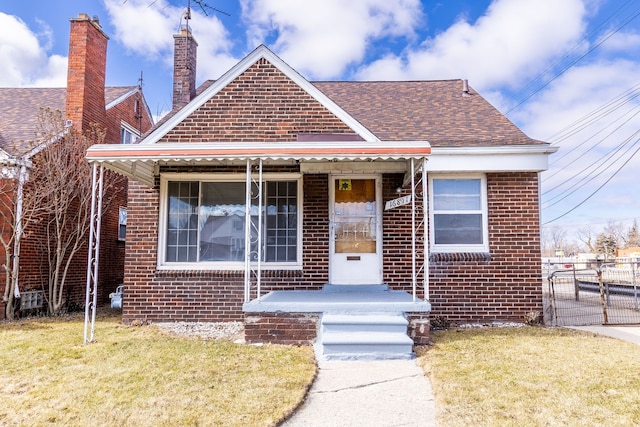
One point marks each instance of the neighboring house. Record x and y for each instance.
(327, 171)
(121, 111)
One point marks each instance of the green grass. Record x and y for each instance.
(140, 376)
(532, 376)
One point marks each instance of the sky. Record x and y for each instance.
(566, 72)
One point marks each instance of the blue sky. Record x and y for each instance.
(565, 71)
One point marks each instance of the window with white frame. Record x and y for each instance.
(122, 223)
(458, 213)
(128, 134)
(203, 221)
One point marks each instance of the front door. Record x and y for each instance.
(355, 230)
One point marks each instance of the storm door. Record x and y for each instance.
(355, 230)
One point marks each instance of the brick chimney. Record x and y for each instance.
(86, 72)
(184, 68)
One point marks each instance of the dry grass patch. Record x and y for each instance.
(533, 376)
(140, 376)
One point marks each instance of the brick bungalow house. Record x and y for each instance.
(121, 111)
(373, 207)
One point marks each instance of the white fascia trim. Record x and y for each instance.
(260, 52)
(510, 158)
(127, 95)
(4, 156)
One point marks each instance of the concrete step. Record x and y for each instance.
(363, 336)
(366, 346)
(368, 322)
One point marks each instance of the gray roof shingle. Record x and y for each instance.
(436, 111)
(21, 107)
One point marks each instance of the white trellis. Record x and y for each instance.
(91, 299)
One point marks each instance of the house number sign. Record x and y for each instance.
(405, 200)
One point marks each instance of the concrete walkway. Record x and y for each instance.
(386, 393)
(367, 393)
(625, 333)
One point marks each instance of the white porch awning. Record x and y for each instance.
(140, 162)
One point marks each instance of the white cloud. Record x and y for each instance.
(504, 47)
(146, 29)
(25, 62)
(576, 112)
(322, 38)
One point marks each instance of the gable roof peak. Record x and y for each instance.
(260, 52)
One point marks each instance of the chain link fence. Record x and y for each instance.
(601, 294)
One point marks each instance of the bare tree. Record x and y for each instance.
(56, 202)
(7, 205)
(587, 236)
(14, 219)
(63, 191)
(615, 231)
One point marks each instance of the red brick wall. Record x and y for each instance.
(249, 110)
(508, 284)
(85, 102)
(184, 68)
(212, 295)
(86, 106)
(503, 285)
(281, 328)
(112, 251)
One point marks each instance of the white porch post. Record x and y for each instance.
(93, 252)
(414, 278)
(425, 213)
(247, 235)
(259, 239)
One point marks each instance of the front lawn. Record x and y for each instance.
(532, 376)
(143, 377)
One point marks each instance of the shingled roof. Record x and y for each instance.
(436, 111)
(21, 107)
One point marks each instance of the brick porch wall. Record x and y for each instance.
(506, 284)
(502, 285)
(213, 296)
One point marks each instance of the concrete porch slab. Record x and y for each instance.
(351, 301)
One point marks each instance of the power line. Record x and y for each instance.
(637, 111)
(596, 190)
(575, 61)
(585, 181)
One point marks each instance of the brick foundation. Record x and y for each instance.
(281, 328)
(419, 328)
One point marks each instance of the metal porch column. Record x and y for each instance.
(249, 226)
(97, 180)
(414, 276)
(247, 234)
(425, 221)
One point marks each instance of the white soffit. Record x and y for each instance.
(513, 158)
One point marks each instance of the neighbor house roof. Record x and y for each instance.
(21, 107)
